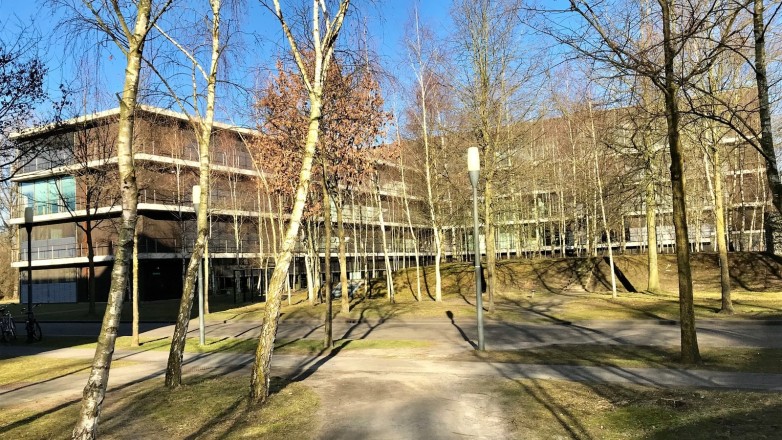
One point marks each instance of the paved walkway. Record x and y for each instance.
(150, 364)
(462, 333)
(413, 393)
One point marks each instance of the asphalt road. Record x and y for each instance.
(462, 333)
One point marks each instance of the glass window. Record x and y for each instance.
(26, 191)
(68, 192)
(54, 196)
(49, 196)
(41, 197)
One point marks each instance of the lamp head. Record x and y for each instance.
(473, 159)
(28, 215)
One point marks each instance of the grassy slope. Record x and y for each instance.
(536, 290)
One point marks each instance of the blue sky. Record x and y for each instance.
(385, 21)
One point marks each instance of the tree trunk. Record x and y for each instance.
(207, 284)
(722, 247)
(438, 293)
(310, 261)
(764, 112)
(343, 260)
(607, 231)
(653, 279)
(259, 382)
(389, 277)
(204, 137)
(412, 231)
(689, 340)
(602, 204)
(134, 339)
(95, 390)
(261, 373)
(489, 227)
(90, 264)
(328, 341)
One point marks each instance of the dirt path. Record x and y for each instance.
(404, 406)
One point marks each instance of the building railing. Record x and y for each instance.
(55, 252)
(179, 246)
(237, 159)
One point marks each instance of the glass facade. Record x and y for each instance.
(49, 196)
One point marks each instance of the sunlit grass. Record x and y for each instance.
(32, 369)
(237, 345)
(527, 291)
(207, 408)
(739, 359)
(536, 409)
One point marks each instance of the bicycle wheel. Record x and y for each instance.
(37, 332)
(34, 332)
(12, 329)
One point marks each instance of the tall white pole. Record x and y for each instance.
(474, 170)
(201, 335)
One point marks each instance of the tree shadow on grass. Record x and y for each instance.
(562, 410)
(293, 341)
(309, 366)
(63, 405)
(425, 279)
(757, 422)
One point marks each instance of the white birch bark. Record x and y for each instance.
(95, 390)
(323, 49)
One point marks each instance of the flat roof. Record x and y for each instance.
(96, 116)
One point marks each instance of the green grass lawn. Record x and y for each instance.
(238, 345)
(208, 408)
(528, 291)
(510, 306)
(32, 369)
(537, 409)
(537, 307)
(740, 359)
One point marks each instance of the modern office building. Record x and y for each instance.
(548, 205)
(72, 188)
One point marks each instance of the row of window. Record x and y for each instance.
(49, 196)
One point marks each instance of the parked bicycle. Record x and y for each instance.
(7, 325)
(34, 332)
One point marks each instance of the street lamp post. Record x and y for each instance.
(201, 336)
(28, 225)
(474, 170)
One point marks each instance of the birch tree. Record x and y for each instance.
(330, 21)
(202, 125)
(494, 74)
(422, 56)
(601, 197)
(408, 216)
(109, 16)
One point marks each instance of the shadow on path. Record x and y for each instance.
(449, 314)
